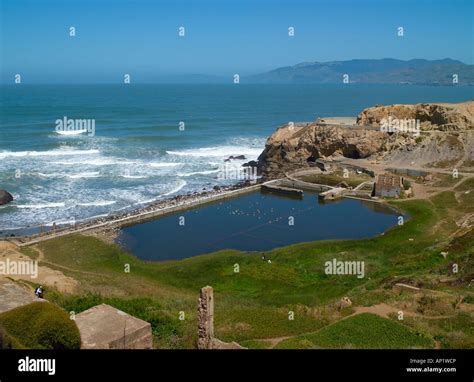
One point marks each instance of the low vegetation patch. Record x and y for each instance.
(363, 331)
(162, 323)
(254, 303)
(40, 325)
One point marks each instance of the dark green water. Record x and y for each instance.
(255, 222)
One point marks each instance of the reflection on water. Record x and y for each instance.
(255, 222)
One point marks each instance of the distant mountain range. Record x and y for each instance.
(383, 71)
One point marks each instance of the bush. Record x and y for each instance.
(40, 325)
(469, 299)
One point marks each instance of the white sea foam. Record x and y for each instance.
(71, 132)
(51, 175)
(164, 164)
(144, 202)
(94, 162)
(198, 173)
(219, 151)
(134, 176)
(84, 175)
(181, 184)
(98, 203)
(40, 206)
(71, 176)
(56, 152)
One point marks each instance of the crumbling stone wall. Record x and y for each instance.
(206, 317)
(206, 323)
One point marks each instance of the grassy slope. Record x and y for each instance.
(40, 325)
(255, 303)
(364, 331)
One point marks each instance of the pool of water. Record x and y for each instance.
(255, 222)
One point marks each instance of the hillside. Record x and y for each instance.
(371, 71)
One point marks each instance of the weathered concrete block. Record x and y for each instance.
(105, 327)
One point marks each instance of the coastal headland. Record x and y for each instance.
(416, 289)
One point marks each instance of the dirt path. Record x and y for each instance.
(43, 276)
(383, 310)
(41, 258)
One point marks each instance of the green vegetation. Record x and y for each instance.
(337, 177)
(254, 304)
(447, 180)
(30, 252)
(163, 325)
(363, 331)
(6, 341)
(39, 325)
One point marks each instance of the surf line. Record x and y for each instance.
(75, 126)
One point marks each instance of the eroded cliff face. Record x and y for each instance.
(446, 139)
(432, 116)
(295, 147)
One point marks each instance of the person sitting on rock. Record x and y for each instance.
(39, 292)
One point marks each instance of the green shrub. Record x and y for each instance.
(40, 325)
(469, 299)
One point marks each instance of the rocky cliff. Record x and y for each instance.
(432, 116)
(446, 139)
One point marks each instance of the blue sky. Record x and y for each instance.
(222, 37)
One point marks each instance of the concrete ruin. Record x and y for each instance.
(389, 186)
(405, 287)
(333, 193)
(105, 327)
(206, 323)
(344, 302)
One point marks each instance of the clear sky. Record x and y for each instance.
(222, 37)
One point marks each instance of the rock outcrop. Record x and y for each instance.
(5, 197)
(292, 147)
(432, 116)
(445, 140)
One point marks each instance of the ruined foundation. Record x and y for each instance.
(206, 323)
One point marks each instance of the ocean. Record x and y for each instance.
(151, 142)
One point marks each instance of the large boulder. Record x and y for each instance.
(5, 197)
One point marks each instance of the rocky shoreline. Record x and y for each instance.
(107, 227)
